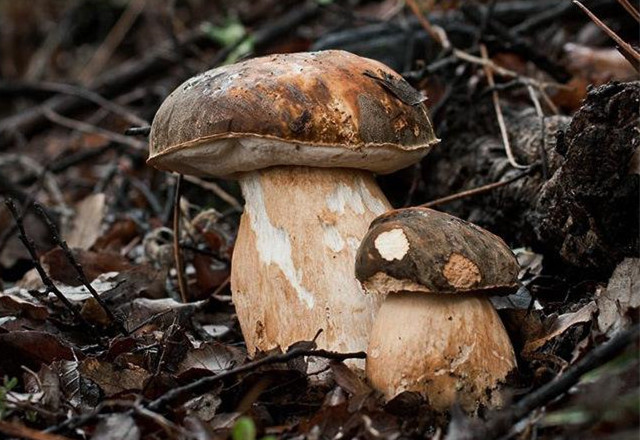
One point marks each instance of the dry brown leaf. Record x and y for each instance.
(117, 427)
(112, 379)
(562, 324)
(87, 223)
(93, 264)
(17, 302)
(620, 298)
(212, 357)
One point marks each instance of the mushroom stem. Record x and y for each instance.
(293, 262)
(447, 347)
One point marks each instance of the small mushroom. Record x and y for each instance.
(304, 134)
(436, 332)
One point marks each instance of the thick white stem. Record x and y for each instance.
(447, 347)
(293, 262)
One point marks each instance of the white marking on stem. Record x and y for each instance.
(356, 198)
(273, 244)
(332, 238)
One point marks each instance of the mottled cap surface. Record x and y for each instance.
(422, 250)
(328, 108)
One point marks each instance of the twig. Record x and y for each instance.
(21, 87)
(88, 128)
(47, 281)
(177, 252)
(78, 268)
(514, 43)
(496, 105)
(216, 189)
(206, 382)
(630, 9)
(543, 153)
(20, 431)
(138, 131)
(486, 62)
(501, 422)
(427, 26)
(113, 40)
(159, 59)
(624, 48)
(478, 190)
(542, 18)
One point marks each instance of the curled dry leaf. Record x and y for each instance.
(561, 324)
(31, 349)
(112, 379)
(87, 224)
(117, 427)
(167, 310)
(101, 284)
(93, 265)
(212, 357)
(17, 302)
(619, 302)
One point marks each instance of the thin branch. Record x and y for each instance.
(78, 268)
(17, 430)
(216, 189)
(624, 48)
(543, 153)
(88, 128)
(138, 131)
(47, 281)
(437, 36)
(630, 9)
(113, 40)
(496, 105)
(479, 190)
(14, 87)
(177, 252)
(504, 420)
(206, 382)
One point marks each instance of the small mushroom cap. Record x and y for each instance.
(422, 250)
(327, 109)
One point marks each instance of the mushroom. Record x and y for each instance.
(436, 332)
(304, 134)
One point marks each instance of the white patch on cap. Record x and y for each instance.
(392, 245)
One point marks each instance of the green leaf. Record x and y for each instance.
(231, 32)
(244, 429)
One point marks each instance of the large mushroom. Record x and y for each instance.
(304, 134)
(436, 332)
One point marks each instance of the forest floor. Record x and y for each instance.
(536, 104)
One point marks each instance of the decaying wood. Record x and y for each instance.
(587, 213)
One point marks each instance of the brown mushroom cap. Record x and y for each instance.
(422, 250)
(328, 109)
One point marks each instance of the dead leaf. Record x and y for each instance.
(167, 310)
(18, 302)
(93, 265)
(31, 349)
(212, 357)
(113, 379)
(117, 427)
(561, 324)
(204, 407)
(87, 224)
(620, 298)
(348, 380)
(102, 284)
(119, 234)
